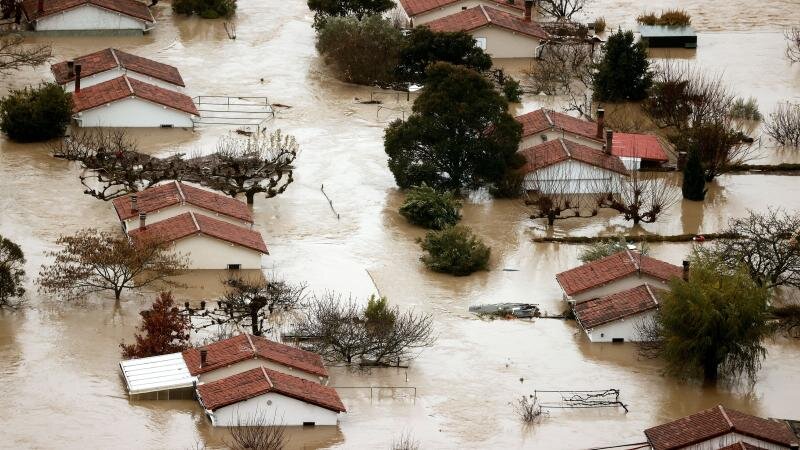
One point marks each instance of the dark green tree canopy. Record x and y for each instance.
(323, 9)
(694, 178)
(424, 47)
(458, 135)
(454, 250)
(12, 272)
(36, 114)
(429, 208)
(624, 72)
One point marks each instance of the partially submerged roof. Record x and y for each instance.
(543, 119)
(714, 422)
(176, 193)
(124, 87)
(260, 381)
(620, 305)
(611, 268)
(481, 16)
(156, 373)
(190, 224)
(246, 346)
(415, 7)
(112, 58)
(665, 31)
(559, 150)
(132, 8)
(635, 145)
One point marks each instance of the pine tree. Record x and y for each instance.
(164, 330)
(694, 182)
(624, 72)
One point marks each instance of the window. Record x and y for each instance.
(309, 424)
(234, 266)
(166, 125)
(617, 340)
(481, 42)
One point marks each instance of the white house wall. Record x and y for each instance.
(285, 410)
(116, 72)
(572, 177)
(89, 17)
(549, 135)
(253, 363)
(504, 43)
(176, 210)
(457, 7)
(619, 285)
(625, 329)
(730, 439)
(205, 252)
(134, 113)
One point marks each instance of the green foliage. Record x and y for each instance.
(599, 25)
(672, 17)
(36, 114)
(606, 247)
(454, 250)
(624, 72)
(424, 47)
(361, 51)
(429, 208)
(378, 312)
(207, 9)
(745, 109)
(327, 9)
(458, 135)
(694, 179)
(715, 322)
(12, 271)
(512, 91)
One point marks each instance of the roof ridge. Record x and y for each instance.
(564, 146)
(249, 341)
(180, 191)
(650, 291)
(130, 88)
(197, 227)
(547, 116)
(114, 54)
(269, 381)
(485, 14)
(633, 260)
(725, 415)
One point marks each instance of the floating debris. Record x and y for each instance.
(507, 310)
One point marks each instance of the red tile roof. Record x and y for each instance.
(599, 311)
(481, 16)
(415, 7)
(246, 346)
(130, 8)
(188, 224)
(111, 58)
(174, 193)
(714, 422)
(634, 145)
(260, 381)
(543, 120)
(559, 150)
(613, 267)
(124, 87)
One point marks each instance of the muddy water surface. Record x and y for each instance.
(59, 384)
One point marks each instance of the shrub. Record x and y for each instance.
(599, 25)
(672, 17)
(745, 109)
(454, 250)
(606, 247)
(512, 91)
(207, 9)
(36, 114)
(429, 208)
(784, 124)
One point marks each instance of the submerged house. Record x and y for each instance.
(258, 394)
(616, 317)
(105, 65)
(544, 125)
(561, 166)
(637, 150)
(615, 273)
(174, 198)
(87, 15)
(419, 12)
(499, 33)
(720, 428)
(667, 36)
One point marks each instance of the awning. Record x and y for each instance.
(156, 373)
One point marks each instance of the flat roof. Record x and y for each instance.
(648, 31)
(156, 373)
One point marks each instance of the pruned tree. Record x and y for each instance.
(95, 261)
(556, 192)
(793, 44)
(561, 9)
(164, 329)
(250, 303)
(15, 55)
(566, 69)
(257, 431)
(12, 273)
(642, 197)
(783, 125)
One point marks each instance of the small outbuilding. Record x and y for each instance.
(88, 15)
(638, 150)
(419, 12)
(163, 377)
(111, 63)
(616, 317)
(665, 36)
(544, 125)
(128, 102)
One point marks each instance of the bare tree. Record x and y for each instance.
(257, 432)
(788, 319)
(783, 125)
(566, 68)
(641, 197)
(249, 302)
(94, 261)
(405, 442)
(793, 46)
(15, 55)
(557, 193)
(561, 9)
(528, 409)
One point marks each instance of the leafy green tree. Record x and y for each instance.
(714, 323)
(694, 178)
(207, 9)
(512, 91)
(361, 51)
(36, 114)
(454, 250)
(424, 47)
(12, 272)
(458, 135)
(624, 72)
(429, 208)
(326, 9)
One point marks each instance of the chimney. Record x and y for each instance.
(40, 7)
(528, 9)
(70, 68)
(143, 221)
(601, 122)
(609, 140)
(203, 357)
(77, 77)
(134, 206)
(685, 270)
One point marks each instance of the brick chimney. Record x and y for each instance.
(77, 77)
(143, 221)
(601, 122)
(685, 270)
(40, 7)
(609, 141)
(70, 68)
(134, 206)
(528, 10)
(203, 357)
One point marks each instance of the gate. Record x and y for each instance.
(233, 111)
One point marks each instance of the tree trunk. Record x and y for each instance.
(117, 293)
(250, 197)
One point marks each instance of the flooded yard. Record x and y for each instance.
(59, 382)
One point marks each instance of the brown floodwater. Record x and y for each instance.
(59, 382)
